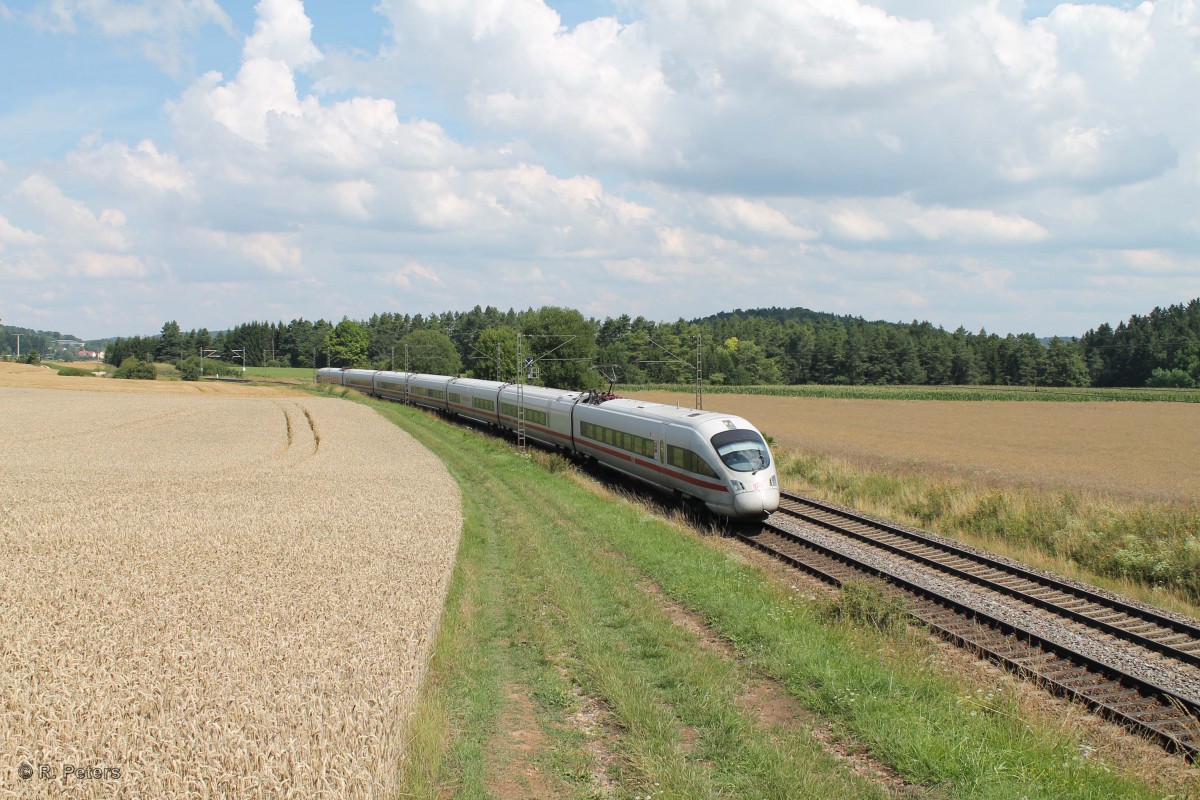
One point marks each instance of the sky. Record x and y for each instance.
(995, 164)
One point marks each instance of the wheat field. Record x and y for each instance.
(213, 596)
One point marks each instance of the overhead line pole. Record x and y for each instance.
(526, 365)
(206, 352)
(676, 359)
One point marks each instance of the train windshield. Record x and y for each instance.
(742, 451)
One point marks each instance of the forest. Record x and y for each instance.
(562, 347)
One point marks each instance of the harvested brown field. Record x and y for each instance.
(213, 596)
(1137, 450)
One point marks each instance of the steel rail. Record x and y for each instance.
(1139, 704)
(1164, 644)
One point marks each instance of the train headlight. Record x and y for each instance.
(737, 485)
(774, 482)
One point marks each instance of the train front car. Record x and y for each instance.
(745, 460)
(718, 459)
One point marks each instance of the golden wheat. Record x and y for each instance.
(213, 596)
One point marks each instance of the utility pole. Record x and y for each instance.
(206, 352)
(525, 371)
(240, 351)
(18, 345)
(674, 359)
(521, 368)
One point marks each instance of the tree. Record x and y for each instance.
(429, 351)
(170, 343)
(136, 369)
(562, 345)
(1065, 365)
(495, 355)
(1172, 378)
(189, 368)
(348, 344)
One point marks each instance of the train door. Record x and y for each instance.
(677, 440)
(660, 444)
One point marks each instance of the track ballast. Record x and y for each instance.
(1132, 663)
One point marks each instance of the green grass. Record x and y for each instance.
(1029, 393)
(1153, 548)
(548, 596)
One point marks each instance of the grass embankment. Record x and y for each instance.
(1030, 393)
(1151, 550)
(557, 608)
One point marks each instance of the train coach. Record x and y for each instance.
(717, 459)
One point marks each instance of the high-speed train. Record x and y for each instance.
(718, 459)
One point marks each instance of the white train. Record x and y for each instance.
(718, 459)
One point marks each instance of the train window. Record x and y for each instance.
(687, 460)
(454, 397)
(677, 456)
(536, 417)
(742, 450)
(625, 441)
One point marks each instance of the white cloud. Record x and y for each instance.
(12, 235)
(949, 159)
(757, 217)
(87, 264)
(403, 277)
(69, 222)
(282, 32)
(273, 253)
(974, 225)
(138, 168)
(162, 28)
(781, 97)
(858, 225)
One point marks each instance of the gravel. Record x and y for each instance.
(1181, 679)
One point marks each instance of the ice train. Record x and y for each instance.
(717, 459)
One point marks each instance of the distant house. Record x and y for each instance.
(87, 354)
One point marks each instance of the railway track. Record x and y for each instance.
(1131, 663)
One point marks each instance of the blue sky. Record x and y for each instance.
(1014, 166)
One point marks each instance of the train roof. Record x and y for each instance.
(662, 412)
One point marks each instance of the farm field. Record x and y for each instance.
(1005, 393)
(299, 374)
(212, 591)
(1143, 450)
(39, 377)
